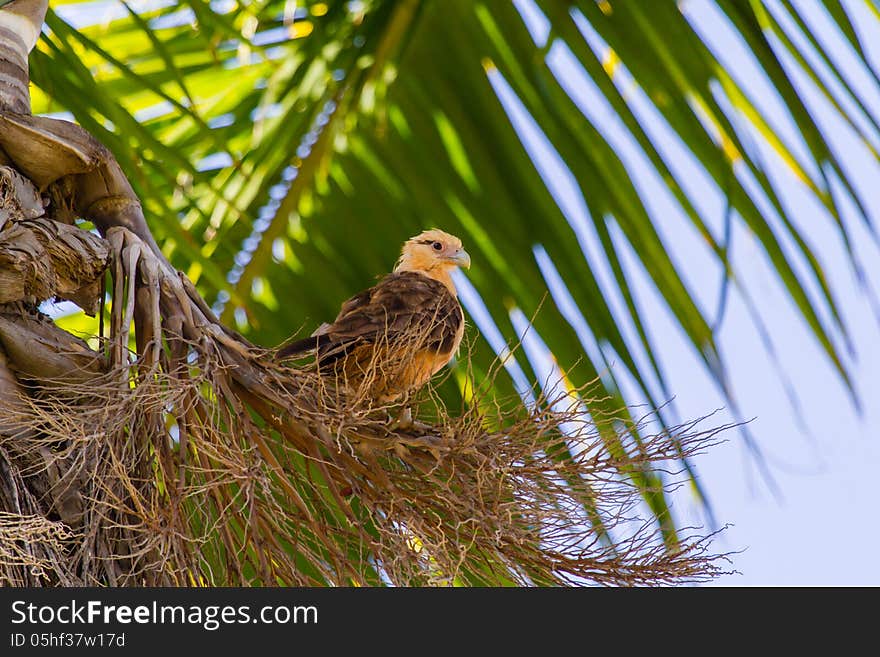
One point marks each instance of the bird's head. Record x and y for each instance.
(433, 252)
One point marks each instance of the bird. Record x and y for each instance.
(392, 338)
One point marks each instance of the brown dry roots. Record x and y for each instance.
(203, 462)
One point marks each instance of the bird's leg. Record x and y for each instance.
(412, 433)
(404, 418)
(405, 422)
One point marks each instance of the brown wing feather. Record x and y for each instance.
(399, 305)
(402, 305)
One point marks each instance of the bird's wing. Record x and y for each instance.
(401, 303)
(359, 300)
(319, 339)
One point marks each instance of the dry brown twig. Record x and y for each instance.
(199, 460)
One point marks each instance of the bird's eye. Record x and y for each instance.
(437, 246)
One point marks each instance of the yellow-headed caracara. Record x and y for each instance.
(399, 333)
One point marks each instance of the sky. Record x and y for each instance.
(816, 524)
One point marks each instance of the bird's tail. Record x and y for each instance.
(302, 347)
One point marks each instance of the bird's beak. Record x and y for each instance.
(461, 259)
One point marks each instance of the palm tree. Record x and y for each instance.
(282, 153)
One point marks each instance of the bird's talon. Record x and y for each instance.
(405, 422)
